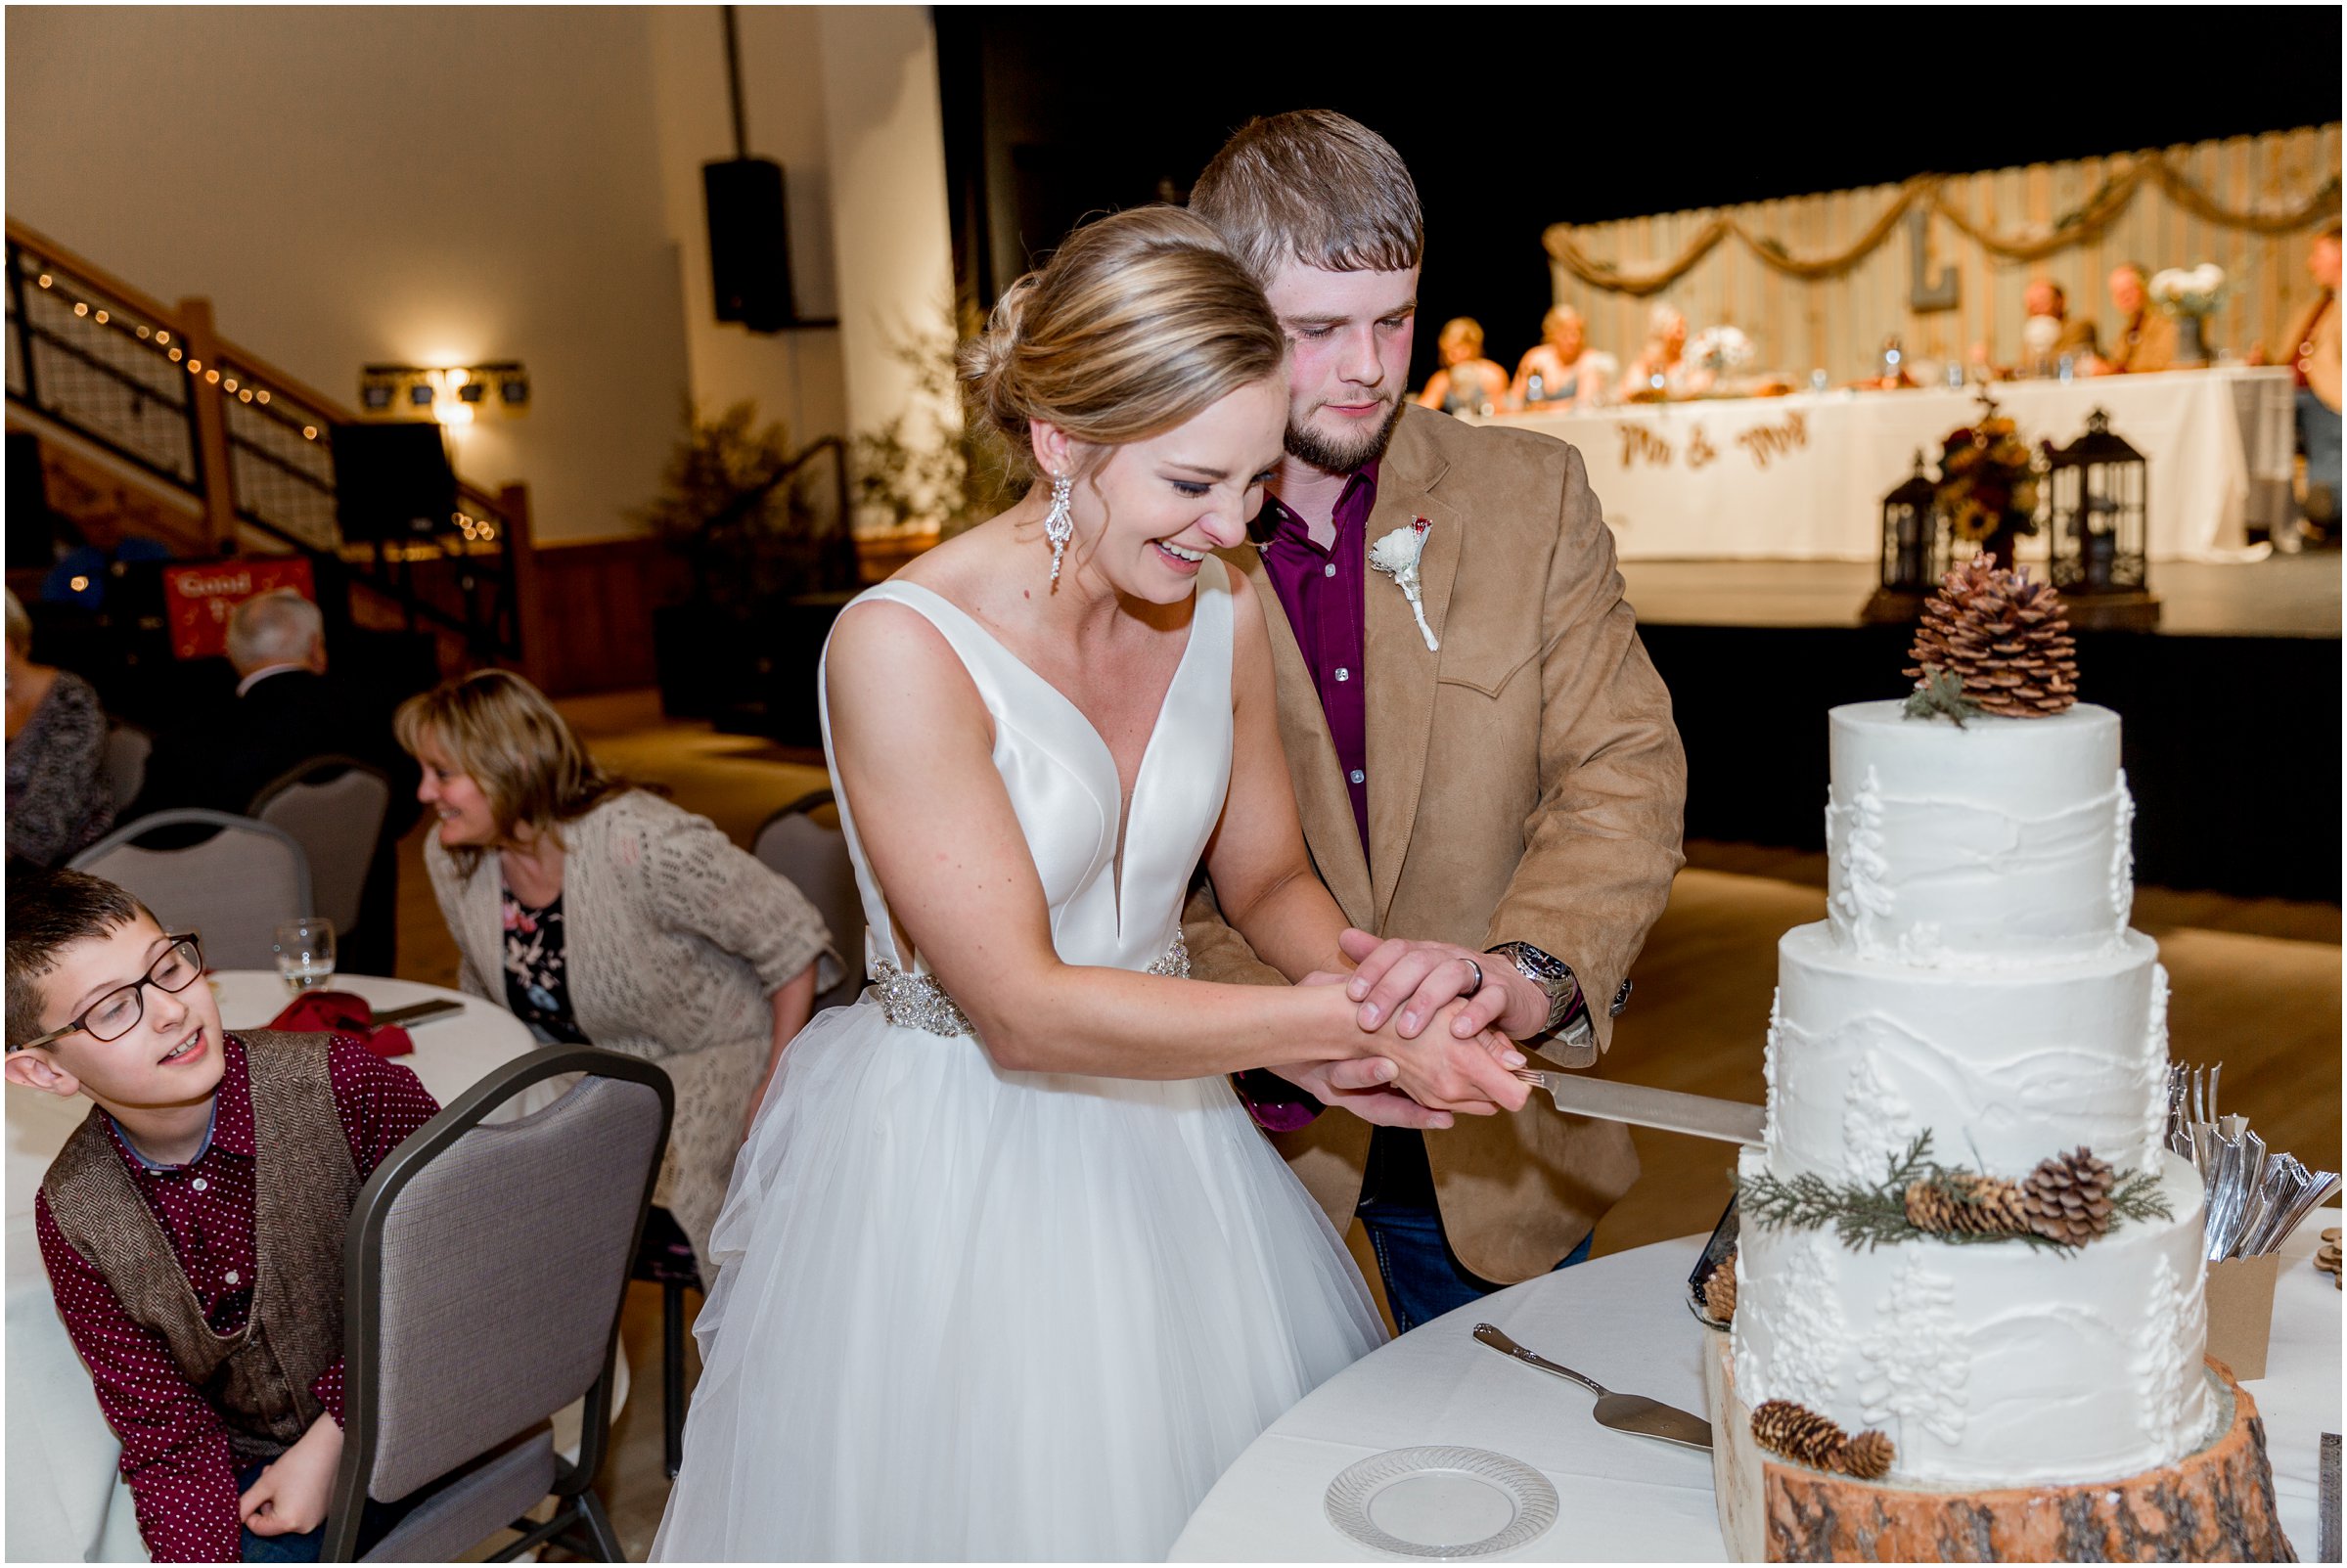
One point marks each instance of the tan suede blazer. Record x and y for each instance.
(2146, 343)
(1525, 782)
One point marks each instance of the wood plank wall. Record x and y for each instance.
(1838, 324)
(593, 632)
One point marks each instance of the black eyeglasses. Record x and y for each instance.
(117, 1013)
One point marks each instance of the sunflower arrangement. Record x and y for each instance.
(1986, 481)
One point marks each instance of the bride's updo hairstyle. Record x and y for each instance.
(1140, 321)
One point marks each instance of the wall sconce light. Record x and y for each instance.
(453, 395)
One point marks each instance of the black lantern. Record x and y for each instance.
(2100, 513)
(1915, 547)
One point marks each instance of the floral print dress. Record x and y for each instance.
(536, 986)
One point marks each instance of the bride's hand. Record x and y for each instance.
(1442, 1072)
(1364, 1086)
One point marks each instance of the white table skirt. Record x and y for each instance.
(1620, 1320)
(67, 1501)
(1802, 478)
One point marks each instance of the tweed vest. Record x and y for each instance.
(304, 1183)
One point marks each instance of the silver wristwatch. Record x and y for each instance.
(1570, 1035)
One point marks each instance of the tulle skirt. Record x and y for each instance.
(966, 1314)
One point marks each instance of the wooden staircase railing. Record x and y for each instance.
(221, 436)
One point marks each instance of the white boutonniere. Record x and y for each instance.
(1396, 556)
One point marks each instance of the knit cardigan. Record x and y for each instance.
(673, 941)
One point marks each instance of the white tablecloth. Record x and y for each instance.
(1620, 1320)
(1803, 477)
(65, 1500)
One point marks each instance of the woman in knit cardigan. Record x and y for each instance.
(599, 914)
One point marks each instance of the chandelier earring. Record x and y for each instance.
(1059, 524)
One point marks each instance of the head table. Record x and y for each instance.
(1802, 478)
(1621, 1498)
(65, 1500)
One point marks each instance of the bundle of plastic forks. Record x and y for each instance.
(2254, 1199)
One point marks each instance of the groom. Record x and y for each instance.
(1514, 792)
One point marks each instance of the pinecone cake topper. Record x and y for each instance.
(1993, 642)
(1968, 1203)
(1802, 1434)
(1719, 1290)
(2067, 1198)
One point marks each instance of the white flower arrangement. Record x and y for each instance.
(1721, 348)
(2194, 291)
(1396, 556)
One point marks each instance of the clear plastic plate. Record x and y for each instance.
(1443, 1502)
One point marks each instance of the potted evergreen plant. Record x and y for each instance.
(762, 559)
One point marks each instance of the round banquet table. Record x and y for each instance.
(65, 1500)
(1620, 1320)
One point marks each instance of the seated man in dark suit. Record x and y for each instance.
(286, 709)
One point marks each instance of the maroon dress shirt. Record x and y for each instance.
(1324, 593)
(174, 1448)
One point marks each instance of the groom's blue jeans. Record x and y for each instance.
(1423, 1278)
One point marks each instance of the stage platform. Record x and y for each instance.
(2231, 707)
(2282, 595)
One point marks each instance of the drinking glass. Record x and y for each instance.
(305, 952)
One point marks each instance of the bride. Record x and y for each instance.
(1005, 1271)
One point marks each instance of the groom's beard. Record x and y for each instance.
(1335, 456)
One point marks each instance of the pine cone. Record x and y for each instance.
(1719, 1290)
(1782, 1427)
(1966, 1204)
(2003, 637)
(1868, 1456)
(2067, 1198)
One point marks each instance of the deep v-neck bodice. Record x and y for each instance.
(1065, 785)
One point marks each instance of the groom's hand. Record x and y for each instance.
(1417, 978)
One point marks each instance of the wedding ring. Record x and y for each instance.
(1478, 968)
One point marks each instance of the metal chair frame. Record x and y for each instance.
(302, 773)
(205, 817)
(362, 1298)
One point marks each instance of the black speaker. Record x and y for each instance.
(392, 481)
(749, 243)
(32, 526)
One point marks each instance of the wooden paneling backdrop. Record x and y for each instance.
(1839, 322)
(588, 625)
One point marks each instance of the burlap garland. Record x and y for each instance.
(2103, 209)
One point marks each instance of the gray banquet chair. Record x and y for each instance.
(235, 887)
(126, 753)
(334, 807)
(483, 1274)
(803, 842)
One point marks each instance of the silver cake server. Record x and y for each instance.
(1623, 1413)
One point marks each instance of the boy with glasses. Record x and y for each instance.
(192, 1226)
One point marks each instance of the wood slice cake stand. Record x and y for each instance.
(2215, 1506)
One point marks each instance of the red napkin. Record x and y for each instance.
(343, 1012)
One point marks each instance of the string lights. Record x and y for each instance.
(161, 337)
(452, 393)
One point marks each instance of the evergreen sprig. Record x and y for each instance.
(1941, 692)
(1868, 1216)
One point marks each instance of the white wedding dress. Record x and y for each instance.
(967, 1313)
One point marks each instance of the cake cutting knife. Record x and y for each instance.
(1731, 1121)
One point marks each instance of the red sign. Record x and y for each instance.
(199, 599)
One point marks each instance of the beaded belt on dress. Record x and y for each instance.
(918, 1002)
